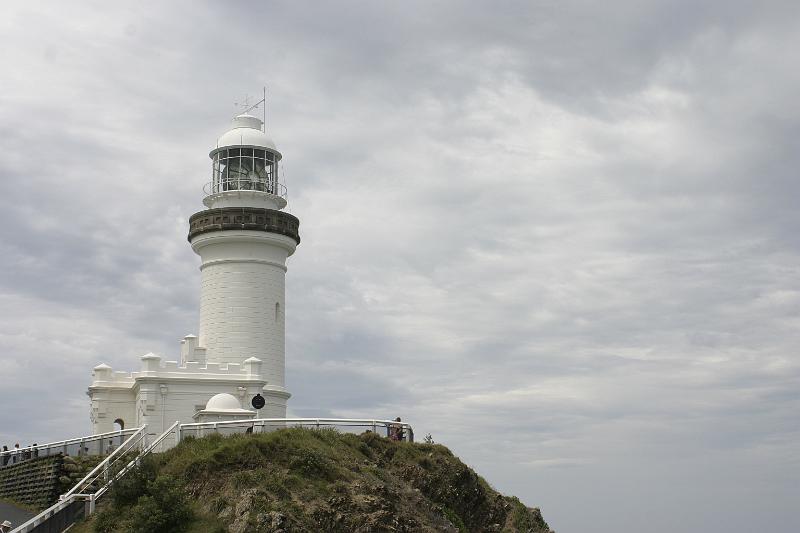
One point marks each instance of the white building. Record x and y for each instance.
(243, 240)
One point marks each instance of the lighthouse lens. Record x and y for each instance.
(244, 169)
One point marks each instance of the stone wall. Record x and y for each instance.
(38, 482)
(34, 482)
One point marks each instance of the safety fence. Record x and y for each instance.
(387, 428)
(100, 444)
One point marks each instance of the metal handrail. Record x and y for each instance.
(139, 436)
(47, 513)
(320, 421)
(62, 444)
(408, 431)
(149, 449)
(245, 184)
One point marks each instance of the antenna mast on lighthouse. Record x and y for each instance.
(247, 107)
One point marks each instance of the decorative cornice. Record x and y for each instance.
(244, 218)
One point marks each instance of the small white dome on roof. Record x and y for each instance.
(245, 131)
(223, 402)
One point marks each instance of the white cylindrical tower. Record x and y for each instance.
(243, 240)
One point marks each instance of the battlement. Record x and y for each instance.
(152, 368)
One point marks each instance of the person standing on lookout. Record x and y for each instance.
(396, 430)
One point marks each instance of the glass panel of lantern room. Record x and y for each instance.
(235, 176)
(215, 174)
(271, 172)
(247, 169)
(223, 170)
(258, 174)
(258, 170)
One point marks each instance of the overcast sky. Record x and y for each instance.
(561, 237)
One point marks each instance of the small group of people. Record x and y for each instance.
(16, 455)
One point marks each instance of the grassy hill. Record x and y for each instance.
(298, 480)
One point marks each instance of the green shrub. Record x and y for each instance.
(164, 509)
(454, 519)
(107, 520)
(128, 489)
(311, 464)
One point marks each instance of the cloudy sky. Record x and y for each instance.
(561, 237)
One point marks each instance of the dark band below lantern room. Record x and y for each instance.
(244, 218)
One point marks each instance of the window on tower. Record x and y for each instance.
(249, 169)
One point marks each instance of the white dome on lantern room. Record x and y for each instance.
(246, 131)
(245, 165)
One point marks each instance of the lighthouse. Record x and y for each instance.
(243, 238)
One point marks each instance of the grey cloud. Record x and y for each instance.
(561, 237)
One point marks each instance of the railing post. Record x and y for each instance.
(91, 504)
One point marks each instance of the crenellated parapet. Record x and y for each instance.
(152, 368)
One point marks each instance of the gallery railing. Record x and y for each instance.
(245, 183)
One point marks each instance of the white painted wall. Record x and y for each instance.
(158, 395)
(243, 278)
(183, 399)
(109, 404)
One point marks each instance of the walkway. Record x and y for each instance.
(16, 515)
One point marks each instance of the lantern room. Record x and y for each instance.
(245, 167)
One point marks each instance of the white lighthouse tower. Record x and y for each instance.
(243, 239)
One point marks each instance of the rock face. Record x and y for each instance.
(308, 481)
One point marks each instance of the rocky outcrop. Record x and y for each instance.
(295, 480)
